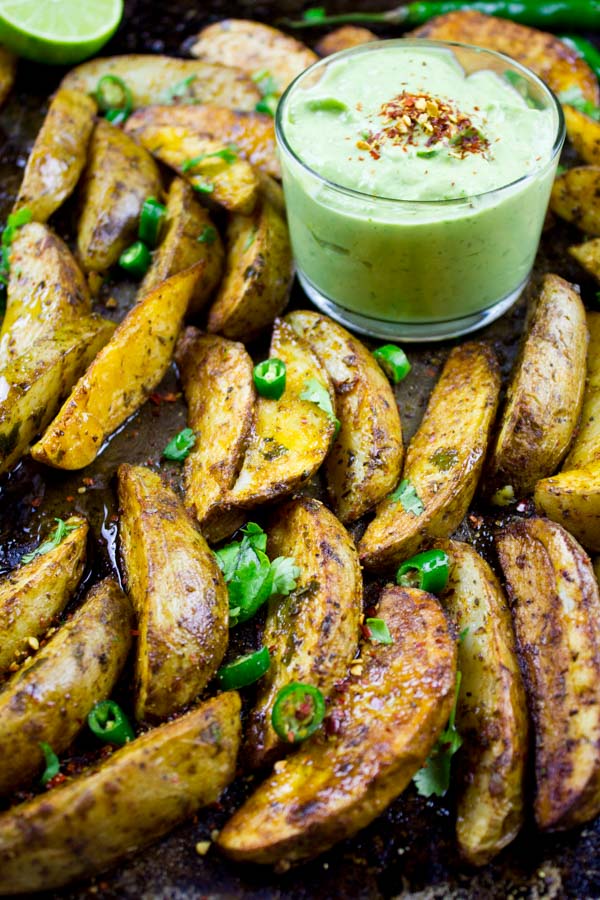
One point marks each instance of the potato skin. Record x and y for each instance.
(58, 155)
(455, 428)
(575, 196)
(35, 593)
(365, 460)
(312, 634)
(584, 134)
(8, 71)
(585, 448)
(572, 498)
(49, 698)
(177, 591)
(556, 612)
(344, 38)
(334, 786)
(113, 810)
(588, 256)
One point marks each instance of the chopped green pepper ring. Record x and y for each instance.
(269, 378)
(52, 764)
(393, 361)
(267, 104)
(428, 571)
(245, 670)
(109, 723)
(136, 260)
(298, 711)
(113, 96)
(151, 220)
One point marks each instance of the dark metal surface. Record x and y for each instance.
(408, 852)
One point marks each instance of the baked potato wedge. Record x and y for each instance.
(186, 223)
(344, 38)
(118, 177)
(576, 198)
(334, 786)
(258, 274)
(588, 257)
(8, 72)
(120, 377)
(35, 384)
(365, 460)
(585, 448)
(572, 498)
(216, 375)
(491, 715)
(443, 460)
(545, 394)
(114, 809)
(312, 634)
(35, 593)
(584, 134)
(556, 611)
(49, 698)
(177, 591)
(167, 79)
(58, 155)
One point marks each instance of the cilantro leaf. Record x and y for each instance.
(179, 90)
(265, 82)
(316, 393)
(379, 633)
(406, 495)
(228, 154)
(285, 575)
(573, 97)
(434, 777)
(57, 536)
(208, 235)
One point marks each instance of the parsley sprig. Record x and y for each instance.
(407, 496)
(57, 536)
(434, 777)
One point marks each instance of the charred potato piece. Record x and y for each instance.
(344, 38)
(117, 179)
(365, 459)
(588, 257)
(443, 460)
(545, 395)
(584, 134)
(121, 376)
(312, 634)
(585, 448)
(556, 611)
(128, 801)
(576, 198)
(8, 71)
(58, 155)
(492, 712)
(38, 591)
(49, 698)
(334, 786)
(572, 498)
(177, 591)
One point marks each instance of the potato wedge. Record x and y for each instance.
(181, 247)
(58, 155)
(545, 395)
(555, 62)
(121, 376)
(584, 134)
(585, 448)
(8, 71)
(290, 437)
(576, 198)
(177, 591)
(35, 593)
(491, 715)
(34, 384)
(117, 179)
(365, 460)
(344, 38)
(46, 289)
(49, 698)
(312, 633)
(572, 498)
(114, 809)
(252, 133)
(258, 274)
(217, 382)
(166, 79)
(588, 256)
(334, 786)
(254, 47)
(443, 460)
(556, 610)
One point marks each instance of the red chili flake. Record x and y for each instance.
(304, 709)
(156, 399)
(89, 482)
(366, 631)
(70, 498)
(134, 633)
(332, 725)
(37, 501)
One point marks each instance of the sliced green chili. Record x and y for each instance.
(52, 764)
(298, 711)
(151, 221)
(109, 723)
(136, 260)
(269, 378)
(326, 104)
(428, 571)
(180, 446)
(114, 98)
(379, 633)
(393, 361)
(245, 670)
(208, 235)
(267, 104)
(227, 154)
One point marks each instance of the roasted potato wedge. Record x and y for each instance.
(585, 448)
(491, 715)
(584, 134)
(576, 198)
(117, 179)
(334, 786)
(166, 79)
(443, 460)
(254, 47)
(290, 437)
(344, 38)
(46, 289)
(365, 459)
(114, 809)
(258, 274)
(35, 593)
(312, 634)
(181, 247)
(177, 591)
(8, 71)
(50, 697)
(58, 155)
(121, 376)
(34, 384)
(556, 610)
(217, 382)
(588, 257)
(572, 498)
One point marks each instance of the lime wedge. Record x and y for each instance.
(58, 31)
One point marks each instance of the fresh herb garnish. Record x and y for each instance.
(326, 104)
(268, 104)
(57, 536)
(434, 777)
(179, 90)
(379, 633)
(203, 187)
(463, 634)
(227, 154)
(314, 392)
(573, 97)
(250, 239)
(180, 446)
(427, 154)
(315, 14)
(406, 495)
(15, 221)
(208, 235)
(52, 764)
(445, 458)
(265, 82)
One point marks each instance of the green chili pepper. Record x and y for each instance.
(180, 446)
(136, 260)
(109, 723)
(114, 98)
(151, 220)
(245, 670)
(52, 764)
(588, 51)
(269, 378)
(297, 712)
(393, 361)
(326, 104)
(427, 570)
(267, 104)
